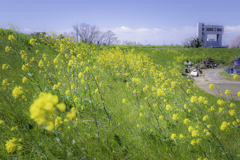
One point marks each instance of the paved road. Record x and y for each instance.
(212, 76)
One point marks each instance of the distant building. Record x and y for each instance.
(204, 30)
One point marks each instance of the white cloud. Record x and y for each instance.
(231, 29)
(173, 35)
(156, 36)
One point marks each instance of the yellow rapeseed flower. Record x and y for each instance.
(32, 41)
(67, 92)
(5, 66)
(227, 92)
(123, 100)
(220, 102)
(10, 145)
(211, 86)
(11, 38)
(72, 114)
(50, 125)
(195, 133)
(205, 118)
(168, 107)
(175, 117)
(7, 48)
(17, 91)
(61, 107)
(43, 108)
(224, 126)
(232, 112)
(40, 64)
(24, 79)
(190, 128)
(173, 136)
(181, 136)
(193, 99)
(160, 92)
(186, 121)
(235, 77)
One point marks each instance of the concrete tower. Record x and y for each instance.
(204, 30)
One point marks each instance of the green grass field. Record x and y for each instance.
(66, 100)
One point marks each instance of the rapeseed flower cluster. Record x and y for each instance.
(17, 91)
(11, 38)
(5, 66)
(7, 48)
(43, 109)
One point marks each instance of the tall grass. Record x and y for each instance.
(121, 102)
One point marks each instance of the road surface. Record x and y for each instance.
(212, 76)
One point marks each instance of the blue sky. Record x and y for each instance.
(144, 21)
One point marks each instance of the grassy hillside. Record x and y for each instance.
(66, 100)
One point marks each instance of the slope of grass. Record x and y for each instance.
(121, 102)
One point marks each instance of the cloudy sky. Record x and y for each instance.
(155, 22)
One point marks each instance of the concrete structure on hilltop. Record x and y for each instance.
(204, 30)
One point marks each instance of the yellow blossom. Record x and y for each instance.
(195, 133)
(173, 136)
(220, 102)
(186, 121)
(40, 64)
(17, 91)
(67, 92)
(193, 99)
(190, 128)
(232, 105)
(11, 38)
(175, 117)
(160, 92)
(43, 108)
(80, 75)
(221, 110)
(140, 114)
(61, 107)
(19, 147)
(123, 100)
(232, 112)
(32, 41)
(10, 145)
(235, 77)
(205, 118)
(72, 114)
(227, 92)
(193, 142)
(50, 125)
(224, 126)
(7, 48)
(5, 66)
(168, 107)
(70, 63)
(211, 86)
(24, 79)
(96, 90)
(181, 136)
